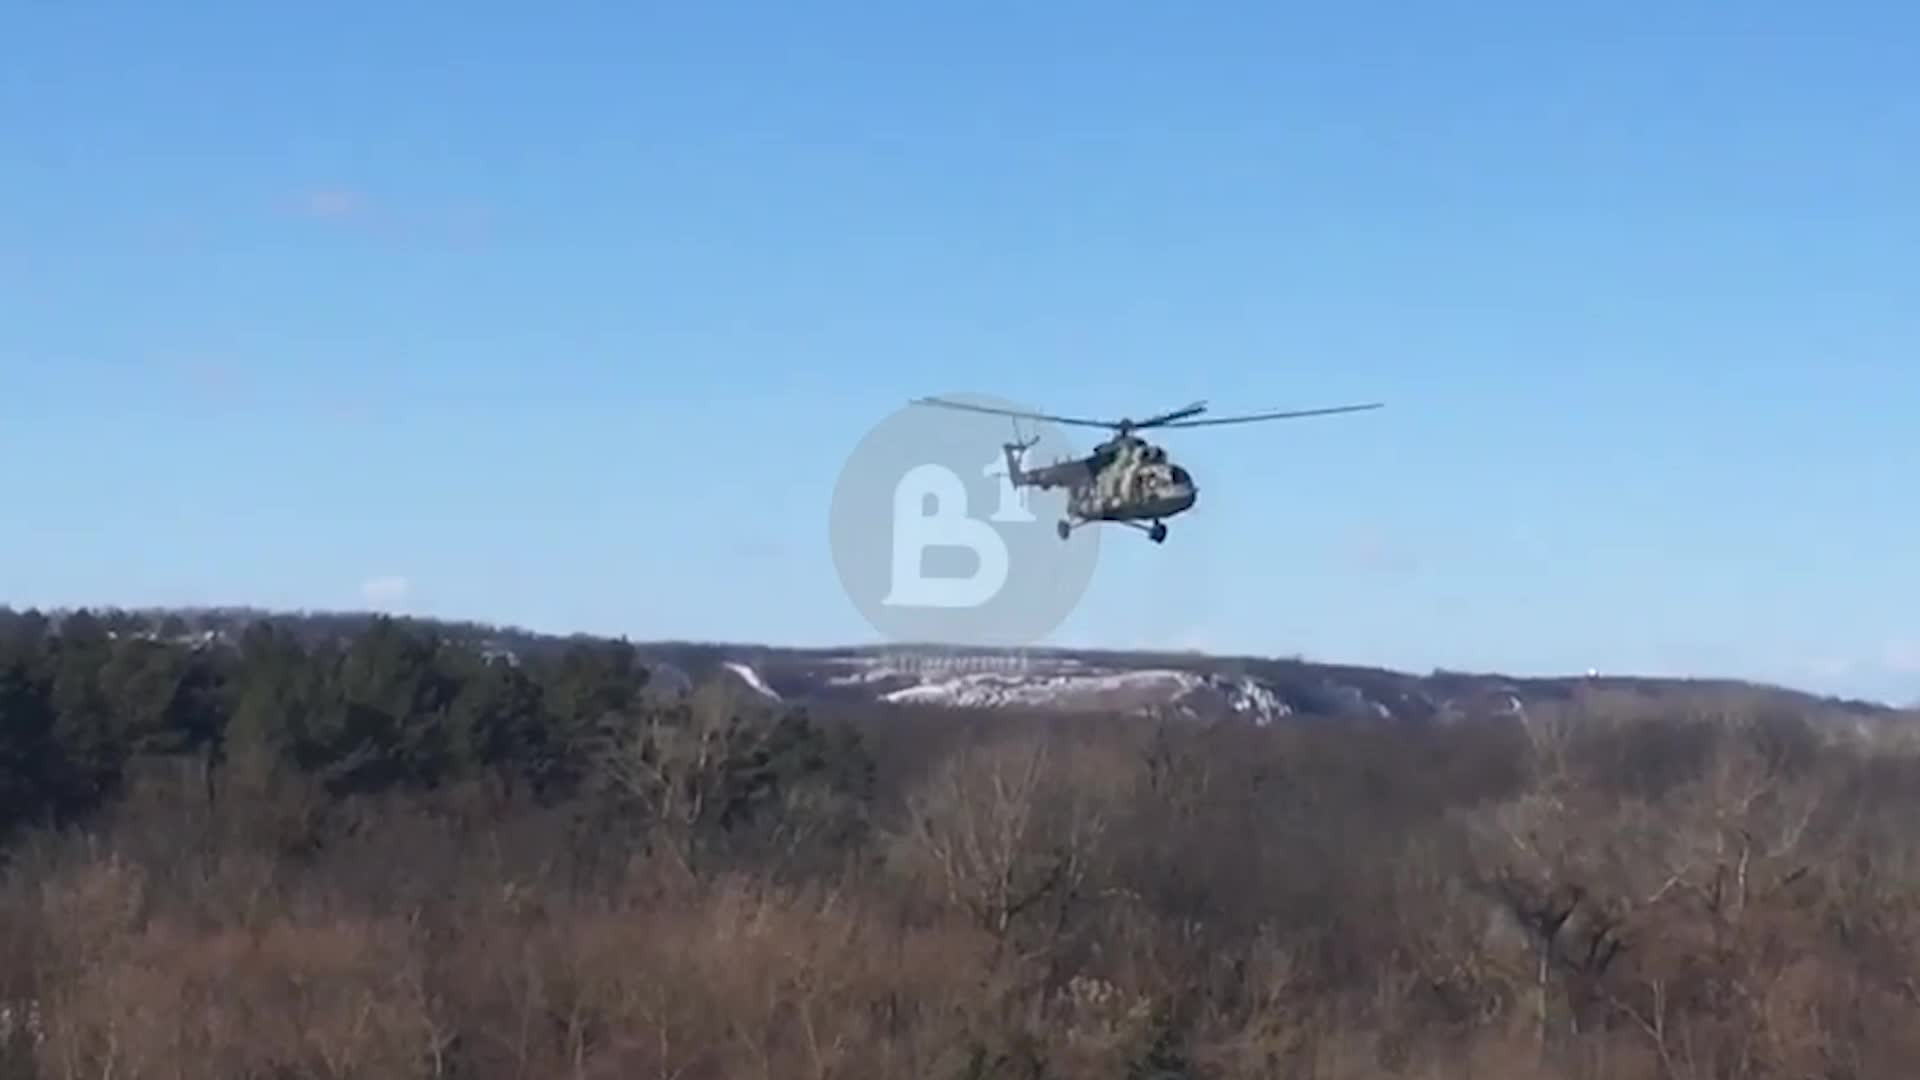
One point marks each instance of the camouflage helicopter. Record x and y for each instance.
(1125, 480)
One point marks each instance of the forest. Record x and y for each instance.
(385, 853)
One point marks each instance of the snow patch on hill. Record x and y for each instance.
(1250, 697)
(1090, 690)
(1073, 686)
(752, 678)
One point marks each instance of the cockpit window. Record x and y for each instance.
(1180, 476)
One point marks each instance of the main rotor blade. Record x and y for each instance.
(1168, 417)
(1276, 415)
(1014, 412)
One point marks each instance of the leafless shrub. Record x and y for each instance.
(1005, 828)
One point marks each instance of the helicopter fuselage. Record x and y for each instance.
(1124, 480)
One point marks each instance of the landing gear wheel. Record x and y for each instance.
(1158, 533)
(1063, 528)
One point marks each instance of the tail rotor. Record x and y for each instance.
(1014, 451)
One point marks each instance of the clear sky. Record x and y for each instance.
(567, 315)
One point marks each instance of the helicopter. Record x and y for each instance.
(1125, 480)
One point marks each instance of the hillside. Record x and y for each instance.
(1175, 684)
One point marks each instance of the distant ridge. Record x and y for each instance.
(929, 675)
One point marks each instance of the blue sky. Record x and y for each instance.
(569, 319)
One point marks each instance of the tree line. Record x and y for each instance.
(385, 853)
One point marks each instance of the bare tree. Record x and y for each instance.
(1003, 827)
(685, 765)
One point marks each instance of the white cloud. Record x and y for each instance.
(382, 591)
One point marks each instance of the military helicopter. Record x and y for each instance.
(1125, 480)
